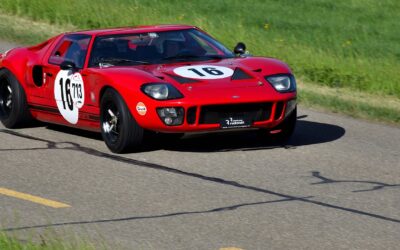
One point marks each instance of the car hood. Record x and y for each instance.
(199, 79)
(215, 74)
(218, 74)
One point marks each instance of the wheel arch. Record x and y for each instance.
(133, 97)
(16, 62)
(102, 91)
(12, 72)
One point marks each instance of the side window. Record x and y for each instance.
(71, 48)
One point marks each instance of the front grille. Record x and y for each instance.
(253, 111)
(191, 115)
(278, 110)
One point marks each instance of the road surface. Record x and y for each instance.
(336, 185)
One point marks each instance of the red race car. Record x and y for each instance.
(125, 81)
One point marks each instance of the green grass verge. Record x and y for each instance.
(26, 31)
(11, 243)
(352, 107)
(347, 45)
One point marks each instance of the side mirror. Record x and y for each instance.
(67, 65)
(240, 48)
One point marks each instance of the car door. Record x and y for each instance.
(64, 86)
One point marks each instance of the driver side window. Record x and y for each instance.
(71, 48)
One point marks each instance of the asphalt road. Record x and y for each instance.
(336, 185)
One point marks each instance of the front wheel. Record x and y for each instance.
(119, 129)
(283, 132)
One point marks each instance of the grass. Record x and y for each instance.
(11, 243)
(346, 45)
(26, 31)
(355, 104)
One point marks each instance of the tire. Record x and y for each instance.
(287, 128)
(119, 129)
(14, 111)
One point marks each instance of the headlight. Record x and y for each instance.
(161, 91)
(171, 116)
(282, 83)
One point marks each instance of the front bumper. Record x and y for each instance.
(206, 117)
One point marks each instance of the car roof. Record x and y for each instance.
(137, 29)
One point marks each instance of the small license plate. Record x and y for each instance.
(235, 122)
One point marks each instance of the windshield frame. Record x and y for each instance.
(222, 51)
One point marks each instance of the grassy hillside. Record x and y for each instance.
(345, 44)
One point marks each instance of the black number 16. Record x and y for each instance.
(207, 70)
(67, 93)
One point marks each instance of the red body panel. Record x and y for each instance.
(128, 80)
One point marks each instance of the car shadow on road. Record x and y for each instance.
(75, 131)
(306, 133)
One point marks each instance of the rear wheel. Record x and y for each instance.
(13, 105)
(119, 129)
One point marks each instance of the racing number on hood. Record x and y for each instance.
(69, 93)
(204, 72)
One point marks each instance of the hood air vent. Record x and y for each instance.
(182, 80)
(239, 74)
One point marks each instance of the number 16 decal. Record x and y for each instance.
(69, 93)
(204, 72)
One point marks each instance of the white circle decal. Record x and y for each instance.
(141, 108)
(69, 93)
(204, 72)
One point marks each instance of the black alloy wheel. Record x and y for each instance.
(13, 104)
(6, 96)
(119, 129)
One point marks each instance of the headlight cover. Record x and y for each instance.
(161, 91)
(172, 116)
(282, 83)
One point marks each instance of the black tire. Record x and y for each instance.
(119, 129)
(287, 128)
(14, 111)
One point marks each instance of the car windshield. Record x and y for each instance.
(156, 47)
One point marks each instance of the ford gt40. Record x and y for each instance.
(123, 82)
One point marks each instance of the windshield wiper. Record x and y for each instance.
(121, 61)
